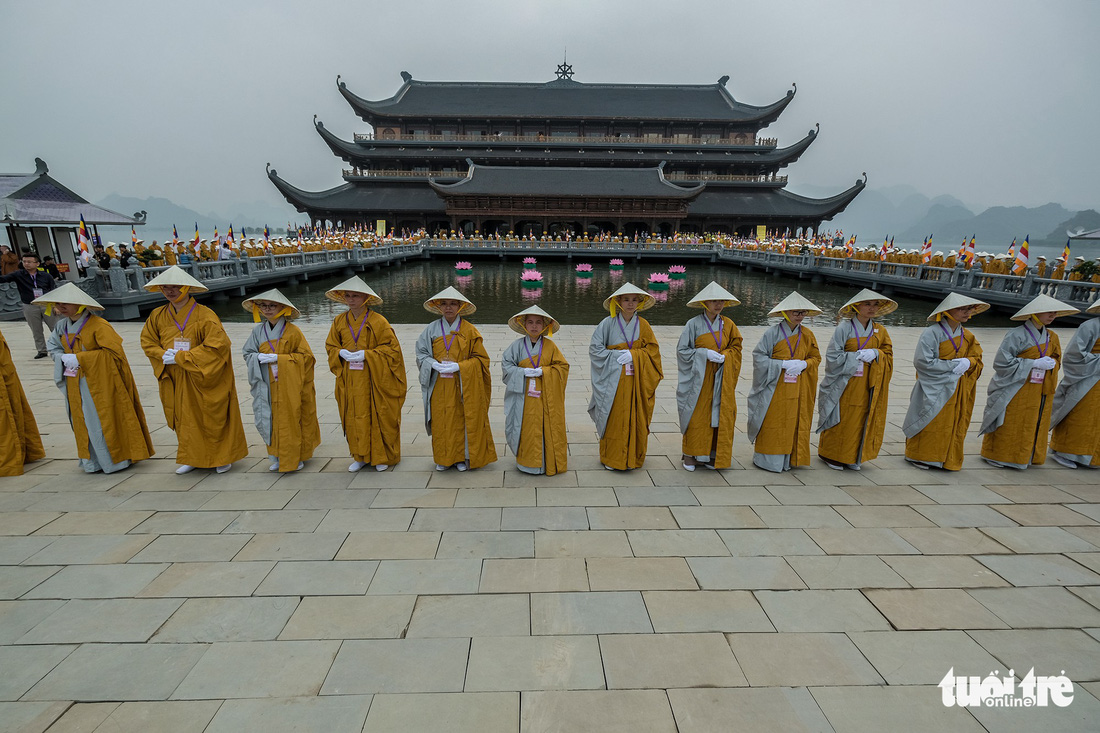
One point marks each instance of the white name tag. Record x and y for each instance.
(790, 377)
(629, 369)
(1037, 376)
(531, 390)
(182, 345)
(356, 365)
(38, 292)
(274, 371)
(859, 369)
(69, 372)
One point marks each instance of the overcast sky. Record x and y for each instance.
(995, 103)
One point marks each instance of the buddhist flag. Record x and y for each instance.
(850, 247)
(216, 238)
(229, 237)
(925, 252)
(195, 241)
(1065, 252)
(962, 251)
(1019, 267)
(267, 234)
(133, 236)
(885, 248)
(82, 236)
(970, 251)
(1012, 249)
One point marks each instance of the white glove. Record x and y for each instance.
(536, 372)
(268, 358)
(624, 358)
(961, 365)
(169, 356)
(69, 361)
(1046, 363)
(794, 366)
(716, 357)
(445, 367)
(867, 354)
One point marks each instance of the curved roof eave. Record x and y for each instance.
(297, 197)
(791, 153)
(833, 205)
(342, 148)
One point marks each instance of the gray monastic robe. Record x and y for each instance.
(1080, 370)
(765, 375)
(425, 359)
(99, 456)
(840, 366)
(515, 391)
(936, 382)
(691, 364)
(1010, 372)
(605, 369)
(259, 375)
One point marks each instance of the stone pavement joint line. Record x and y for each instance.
(655, 600)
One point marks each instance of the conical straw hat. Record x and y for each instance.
(955, 300)
(273, 296)
(68, 293)
(450, 293)
(516, 321)
(714, 291)
(1044, 304)
(1094, 308)
(648, 301)
(175, 275)
(795, 302)
(354, 285)
(848, 310)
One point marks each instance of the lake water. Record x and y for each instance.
(495, 289)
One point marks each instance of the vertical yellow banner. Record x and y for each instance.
(380, 227)
(761, 231)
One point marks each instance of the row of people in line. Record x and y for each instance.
(191, 358)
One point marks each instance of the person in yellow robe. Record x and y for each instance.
(535, 374)
(708, 361)
(784, 385)
(93, 374)
(280, 374)
(855, 390)
(948, 362)
(625, 370)
(192, 360)
(365, 356)
(1075, 439)
(1021, 394)
(20, 442)
(455, 383)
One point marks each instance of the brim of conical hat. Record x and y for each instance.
(450, 293)
(648, 301)
(68, 293)
(956, 300)
(354, 285)
(273, 296)
(1093, 309)
(713, 291)
(848, 310)
(795, 302)
(175, 275)
(1044, 304)
(516, 322)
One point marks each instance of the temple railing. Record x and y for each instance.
(763, 142)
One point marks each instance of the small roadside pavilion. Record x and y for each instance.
(40, 214)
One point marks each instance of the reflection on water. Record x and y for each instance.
(494, 287)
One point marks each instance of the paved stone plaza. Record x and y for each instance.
(493, 601)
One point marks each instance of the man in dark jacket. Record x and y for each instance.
(33, 283)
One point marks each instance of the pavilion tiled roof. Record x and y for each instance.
(37, 198)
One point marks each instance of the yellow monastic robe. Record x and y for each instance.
(1022, 437)
(625, 440)
(1078, 434)
(19, 439)
(103, 364)
(858, 435)
(941, 441)
(786, 426)
(198, 392)
(460, 412)
(700, 439)
(295, 433)
(370, 399)
(544, 416)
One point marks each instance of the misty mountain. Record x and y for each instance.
(162, 214)
(898, 211)
(1086, 220)
(995, 227)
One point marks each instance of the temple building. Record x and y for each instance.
(564, 156)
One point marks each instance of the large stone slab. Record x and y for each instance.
(534, 663)
(798, 660)
(398, 665)
(119, 672)
(638, 661)
(259, 669)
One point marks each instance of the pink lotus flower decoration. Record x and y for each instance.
(616, 261)
(464, 266)
(528, 260)
(530, 275)
(677, 269)
(659, 277)
(584, 268)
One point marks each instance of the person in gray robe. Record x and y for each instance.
(1080, 376)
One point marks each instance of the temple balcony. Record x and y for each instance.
(763, 142)
(363, 174)
(726, 177)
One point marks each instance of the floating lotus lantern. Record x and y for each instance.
(531, 279)
(463, 268)
(529, 263)
(584, 270)
(659, 281)
(616, 264)
(677, 272)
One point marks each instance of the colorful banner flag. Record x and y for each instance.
(1019, 267)
(850, 247)
(1065, 252)
(1012, 249)
(217, 240)
(267, 234)
(925, 252)
(133, 236)
(175, 236)
(882, 252)
(82, 235)
(229, 237)
(970, 251)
